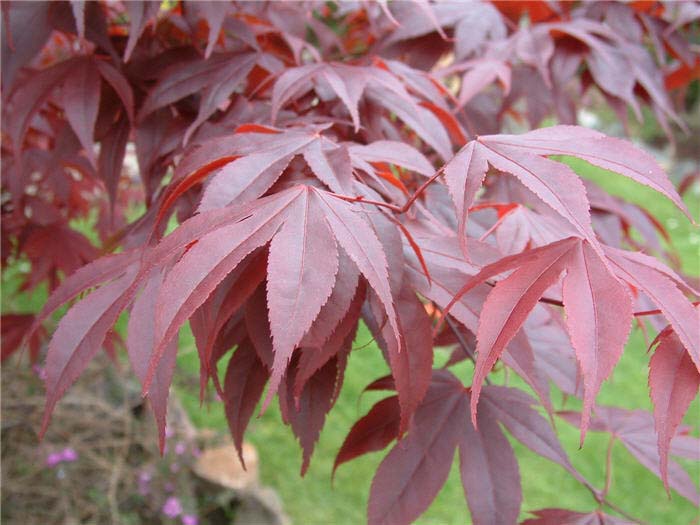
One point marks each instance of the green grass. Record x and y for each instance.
(313, 500)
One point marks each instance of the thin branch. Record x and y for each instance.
(556, 302)
(463, 344)
(393, 207)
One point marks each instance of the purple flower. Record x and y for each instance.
(144, 481)
(40, 372)
(69, 454)
(145, 476)
(172, 507)
(53, 459)
(180, 448)
(190, 519)
(174, 467)
(169, 487)
(169, 432)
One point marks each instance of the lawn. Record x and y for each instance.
(313, 500)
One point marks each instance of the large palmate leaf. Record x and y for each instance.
(598, 307)
(297, 177)
(300, 280)
(417, 467)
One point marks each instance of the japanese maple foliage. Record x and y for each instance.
(326, 165)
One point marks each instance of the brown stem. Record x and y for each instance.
(463, 344)
(556, 302)
(393, 207)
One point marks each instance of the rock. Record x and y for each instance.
(261, 507)
(221, 466)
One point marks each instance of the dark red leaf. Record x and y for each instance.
(416, 468)
(373, 432)
(243, 387)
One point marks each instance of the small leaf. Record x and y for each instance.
(373, 432)
(674, 382)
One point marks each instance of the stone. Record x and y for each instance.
(221, 466)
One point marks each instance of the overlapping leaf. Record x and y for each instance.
(349, 83)
(635, 429)
(674, 382)
(599, 309)
(300, 280)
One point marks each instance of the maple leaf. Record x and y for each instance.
(372, 432)
(598, 306)
(661, 285)
(243, 386)
(307, 415)
(297, 287)
(71, 349)
(413, 472)
(139, 345)
(288, 237)
(635, 430)
(349, 83)
(674, 382)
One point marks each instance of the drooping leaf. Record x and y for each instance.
(372, 432)
(79, 336)
(297, 288)
(139, 344)
(599, 315)
(243, 387)
(674, 382)
(411, 364)
(489, 472)
(308, 415)
(416, 468)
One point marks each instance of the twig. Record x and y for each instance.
(556, 302)
(463, 344)
(393, 207)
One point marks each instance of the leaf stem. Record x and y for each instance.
(608, 466)
(393, 207)
(556, 302)
(462, 343)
